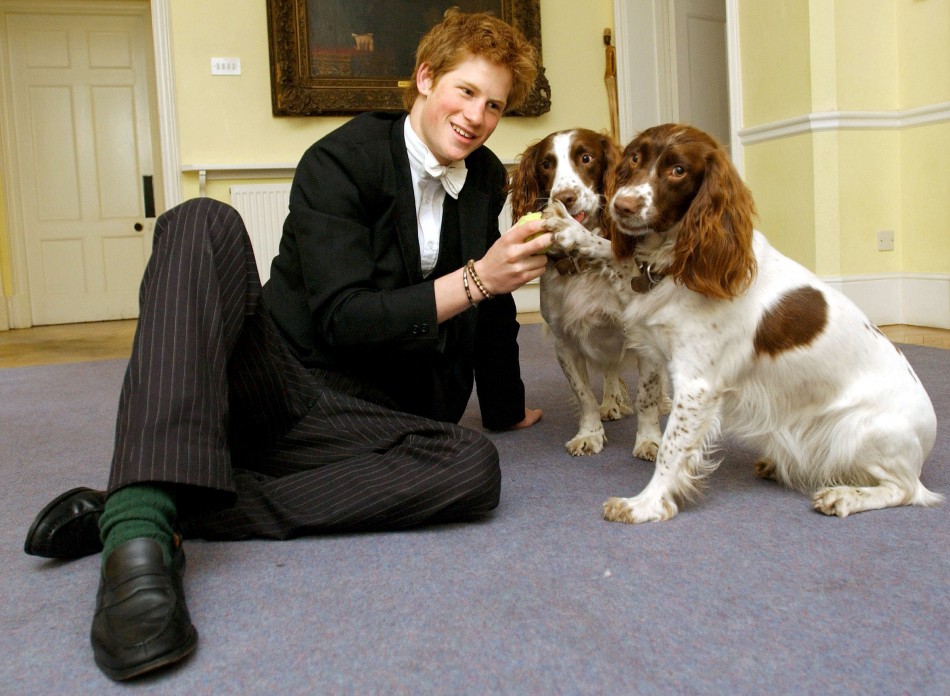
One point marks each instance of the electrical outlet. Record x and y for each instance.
(885, 240)
(225, 66)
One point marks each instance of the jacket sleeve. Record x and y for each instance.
(501, 394)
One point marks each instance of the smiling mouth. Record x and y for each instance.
(463, 133)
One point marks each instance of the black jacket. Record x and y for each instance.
(347, 291)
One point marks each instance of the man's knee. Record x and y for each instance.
(200, 215)
(485, 471)
(199, 207)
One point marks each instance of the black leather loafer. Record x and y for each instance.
(68, 527)
(141, 622)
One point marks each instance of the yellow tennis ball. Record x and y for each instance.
(528, 218)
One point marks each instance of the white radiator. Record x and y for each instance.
(263, 207)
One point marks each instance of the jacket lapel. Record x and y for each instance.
(408, 232)
(473, 212)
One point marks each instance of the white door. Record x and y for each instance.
(701, 70)
(84, 148)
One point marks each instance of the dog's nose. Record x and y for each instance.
(568, 198)
(626, 205)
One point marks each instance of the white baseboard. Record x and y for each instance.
(926, 300)
(913, 299)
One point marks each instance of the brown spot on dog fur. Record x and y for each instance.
(794, 321)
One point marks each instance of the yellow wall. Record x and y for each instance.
(923, 34)
(228, 120)
(925, 216)
(6, 263)
(823, 195)
(782, 210)
(774, 58)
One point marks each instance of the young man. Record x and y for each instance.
(329, 399)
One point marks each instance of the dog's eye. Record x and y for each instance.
(678, 171)
(586, 158)
(635, 158)
(545, 165)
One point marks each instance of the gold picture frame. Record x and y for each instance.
(339, 57)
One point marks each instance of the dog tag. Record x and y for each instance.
(641, 284)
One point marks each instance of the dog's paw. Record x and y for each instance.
(646, 448)
(764, 469)
(566, 236)
(639, 509)
(614, 409)
(838, 500)
(585, 444)
(666, 405)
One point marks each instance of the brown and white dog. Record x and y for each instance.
(581, 309)
(756, 344)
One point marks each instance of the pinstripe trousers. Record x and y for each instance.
(253, 443)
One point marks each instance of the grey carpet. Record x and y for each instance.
(746, 591)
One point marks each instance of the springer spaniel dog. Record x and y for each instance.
(755, 344)
(581, 308)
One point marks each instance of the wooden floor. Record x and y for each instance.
(67, 343)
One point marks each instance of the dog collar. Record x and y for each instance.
(647, 280)
(568, 265)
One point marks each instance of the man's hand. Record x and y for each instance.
(516, 258)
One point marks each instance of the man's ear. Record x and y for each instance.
(424, 81)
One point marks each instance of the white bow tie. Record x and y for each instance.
(451, 175)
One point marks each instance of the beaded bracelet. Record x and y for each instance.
(468, 293)
(478, 281)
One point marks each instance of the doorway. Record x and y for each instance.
(83, 191)
(673, 63)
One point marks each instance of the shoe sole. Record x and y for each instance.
(27, 545)
(154, 664)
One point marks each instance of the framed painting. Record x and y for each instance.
(338, 57)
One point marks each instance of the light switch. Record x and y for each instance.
(225, 66)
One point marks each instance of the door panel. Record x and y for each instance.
(81, 114)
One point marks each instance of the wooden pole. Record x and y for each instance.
(610, 80)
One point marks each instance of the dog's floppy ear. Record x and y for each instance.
(622, 245)
(523, 185)
(713, 253)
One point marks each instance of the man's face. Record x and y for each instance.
(455, 115)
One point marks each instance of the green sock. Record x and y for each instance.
(136, 511)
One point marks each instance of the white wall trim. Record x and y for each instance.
(167, 105)
(916, 299)
(846, 120)
(734, 58)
